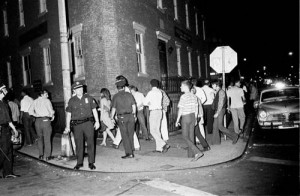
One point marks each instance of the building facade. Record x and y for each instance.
(140, 39)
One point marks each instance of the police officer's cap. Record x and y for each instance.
(120, 83)
(77, 85)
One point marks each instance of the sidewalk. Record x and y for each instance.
(109, 159)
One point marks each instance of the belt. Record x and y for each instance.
(125, 113)
(155, 109)
(77, 122)
(47, 117)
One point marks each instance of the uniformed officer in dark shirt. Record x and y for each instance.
(81, 114)
(6, 153)
(123, 106)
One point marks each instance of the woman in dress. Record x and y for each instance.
(188, 112)
(105, 107)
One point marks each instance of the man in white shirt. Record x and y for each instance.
(27, 120)
(236, 101)
(154, 101)
(139, 99)
(207, 107)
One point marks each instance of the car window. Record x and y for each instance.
(280, 94)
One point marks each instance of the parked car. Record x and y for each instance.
(278, 107)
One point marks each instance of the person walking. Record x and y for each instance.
(81, 114)
(123, 106)
(219, 106)
(164, 122)
(188, 106)
(42, 110)
(118, 137)
(154, 101)
(14, 108)
(139, 99)
(27, 120)
(236, 101)
(6, 148)
(105, 107)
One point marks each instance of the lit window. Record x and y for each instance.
(78, 52)
(199, 65)
(9, 76)
(26, 70)
(43, 6)
(21, 13)
(187, 19)
(178, 46)
(5, 22)
(190, 61)
(45, 45)
(175, 10)
(196, 21)
(139, 47)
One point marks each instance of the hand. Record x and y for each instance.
(177, 124)
(201, 121)
(52, 118)
(16, 133)
(97, 125)
(228, 109)
(67, 130)
(216, 115)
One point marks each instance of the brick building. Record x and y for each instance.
(140, 39)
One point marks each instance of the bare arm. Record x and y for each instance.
(68, 120)
(96, 117)
(178, 116)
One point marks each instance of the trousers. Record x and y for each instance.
(238, 117)
(141, 124)
(200, 137)
(44, 132)
(188, 133)
(155, 119)
(28, 128)
(126, 124)
(85, 132)
(6, 151)
(164, 127)
(208, 118)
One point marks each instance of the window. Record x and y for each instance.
(5, 22)
(45, 45)
(26, 70)
(190, 60)
(21, 13)
(9, 76)
(160, 4)
(187, 19)
(43, 6)
(175, 10)
(203, 28)
(139, 47)
(196, 21)
(199, 65)
(78, 52)
(178, 46)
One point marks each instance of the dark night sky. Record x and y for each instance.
(261, 31)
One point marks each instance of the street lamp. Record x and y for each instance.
(291, 53)
(245, 59)
(264, 67)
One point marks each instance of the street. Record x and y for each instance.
(269, 167)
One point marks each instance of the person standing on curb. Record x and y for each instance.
(219, 106)
(154, 101)
(188, 112)
(123, 106)
(43, 112)
(27, 120)
(6, 148)
(81, 114)
(139, 99)
(164, 122)
(236, 102)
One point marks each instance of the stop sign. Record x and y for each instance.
(223, 54)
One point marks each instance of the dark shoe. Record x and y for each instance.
(78, 166)
(49, 158)
(157, 151)
(236, 139)
(92, 166)
(206, 149)
(127, 156)
(166, 148)
(11, 176)
(115, 146)
(41, 157)
(197, 156)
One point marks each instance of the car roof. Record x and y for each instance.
(272, 88)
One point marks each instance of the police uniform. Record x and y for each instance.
(122, 102)
(82, 123)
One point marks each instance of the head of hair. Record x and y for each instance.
(105, 93)
(188, 83)
(206, 82)
(24, 91)
(41, 92)
(154, 83)
(121, 77)
(236, 81)
(217, 82)
(131, 87)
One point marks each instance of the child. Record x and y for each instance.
(105, 103)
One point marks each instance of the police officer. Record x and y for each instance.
(81, 113)
(123, 106)
(6, 152)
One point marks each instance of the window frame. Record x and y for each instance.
(189, 50)
(178, 58)
(45, 45)
(175, 4)
(5, 23)
(196, 23)
(43, 7)
(9, 73)
(21, 14)
(187, 16)
(139, 31)
(199, 65)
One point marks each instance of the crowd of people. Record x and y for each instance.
(129, 116)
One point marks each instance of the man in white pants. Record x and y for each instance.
(118, 137)
(164, 123)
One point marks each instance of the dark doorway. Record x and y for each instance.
(163, 62)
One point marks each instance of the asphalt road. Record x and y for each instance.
(269, 167)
